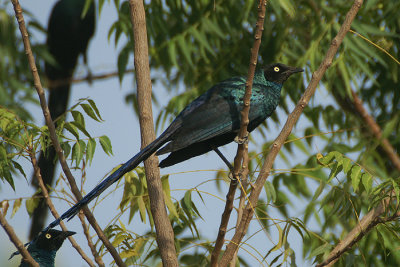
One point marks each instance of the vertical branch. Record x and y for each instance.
(241, 159)
(287, 128)
(164, 232)
(53, 135)
(13, 237)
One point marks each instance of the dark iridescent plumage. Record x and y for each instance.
(210, 121)
(44, 248)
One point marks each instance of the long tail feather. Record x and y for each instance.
(115, 176)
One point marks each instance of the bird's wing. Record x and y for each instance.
(212, 114)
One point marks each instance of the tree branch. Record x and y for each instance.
(53, 135)
(376, 130)
(53, 210)
(18, 244)
(241, 159)
(370, 220)
(164, 232)
(287, 128)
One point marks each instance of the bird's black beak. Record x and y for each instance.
(292, 70)
(69, 233)
(65, 234)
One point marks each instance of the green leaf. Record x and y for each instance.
(366, 179)
(123, 59)
(89, 111)
(167, 196)
(319, 250)
(142, 208)
(78, 118)
(355, 177)
(119, 238)
(90, 149)
(94, 107)
(72, 129)
(106, 144)
(270, 190)
(31, 204)
(281, 237)
(16, 206)
(336, 168)
(346, 163)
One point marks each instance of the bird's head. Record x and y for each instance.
(279, 73)
(52, 239)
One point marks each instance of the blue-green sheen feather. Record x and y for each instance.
(44, 257)
(202, 120)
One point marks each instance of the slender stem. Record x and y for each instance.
(13, 237)
(241, 159)
(53, 135)
(286, 130)
(53, 210)
(164, 231)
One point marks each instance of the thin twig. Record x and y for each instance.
(164, 231)
(53, 210)
(370, 220)
(241, 159)
(92, 247)
(87, 78)
(18, 244)
(286, 130)
(53, 135)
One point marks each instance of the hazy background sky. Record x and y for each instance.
(121, 126)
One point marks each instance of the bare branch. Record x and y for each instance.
(92, 247)
(164, 232)
(241, 159)
(53, 136)
(287, 128)
(53, 210)
(13, 237)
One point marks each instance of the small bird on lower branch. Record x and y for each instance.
(43, 248)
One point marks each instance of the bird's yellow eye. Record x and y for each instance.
(276, 69)
(48, 236)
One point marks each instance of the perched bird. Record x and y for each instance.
(68, 35)
(43, 248)
(211, 120)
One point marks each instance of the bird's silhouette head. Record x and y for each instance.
(51, 239)
(278, 72)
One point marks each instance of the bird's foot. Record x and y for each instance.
(241, 141)
(233, 178)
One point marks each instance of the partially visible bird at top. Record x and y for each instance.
(68, 35)
(43, 248)
(211, 120)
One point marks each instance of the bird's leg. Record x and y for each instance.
(231, 175)
(89, 76)
(241, 141)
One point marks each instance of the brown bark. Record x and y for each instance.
(164, 232)
(241, 159)
(13, 237)
(53, 135)
(287, 128)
